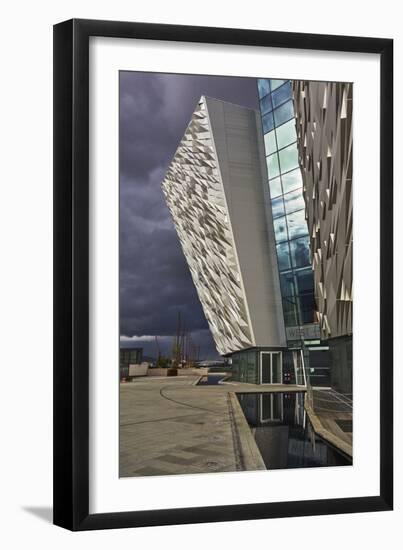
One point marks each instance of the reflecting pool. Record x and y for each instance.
(211, 379)
(283, 433)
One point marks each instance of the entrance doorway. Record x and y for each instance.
(271, 367)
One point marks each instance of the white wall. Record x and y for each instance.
(25, 299)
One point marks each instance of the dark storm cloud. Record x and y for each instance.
(201, 338)
(154, 278)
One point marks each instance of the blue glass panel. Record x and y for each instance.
(276, 83)
(286, 134)
(283, 256)
(300, 252)
(275, 188)
(280, 229)
(263, 86)
(270, 142)
(287, 284)
(294, 201)
(297, 225)
(273, 167)
(268, 122)
(282, 94)
(307, 308)
(284, 113)
(306, 298)
(289, 158)
(290, 313)
(305, 282)
(292, 180)
(277, 207)
(266, 104)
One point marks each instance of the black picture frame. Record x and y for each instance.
(71, 274)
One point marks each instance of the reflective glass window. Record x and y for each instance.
(252, 368)
(243, 367)
(276, 83)
(283, 113)
(289, 158)
(305, 281)
(282, 94)
(307, 308)
(305, 285)
(283, 256)
(292, 180)
(300, 252)
(297, 225)
(287, 284)
(277, 207)
(286, 134)
(268, 122)
(266, 104)
(275, 188)
(280, 229)
(294, 201)
(273, 167)
(235, 366)
(263, 85)
(290, 313)
(270, 142)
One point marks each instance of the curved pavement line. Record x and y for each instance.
(182, 403)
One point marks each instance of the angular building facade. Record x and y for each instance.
(213, 189)
(324, 128)
(262, 206)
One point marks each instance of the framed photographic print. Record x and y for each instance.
(210, 186)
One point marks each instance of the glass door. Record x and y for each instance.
(271, 369)
(276, 368)
(265, 362)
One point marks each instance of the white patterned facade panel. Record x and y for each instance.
(195, 197)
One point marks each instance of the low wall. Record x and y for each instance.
(157, 372)
(193, 372)
(246, 449)
(180, 372)
(138, 370)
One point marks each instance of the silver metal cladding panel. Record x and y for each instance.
(212, 191)
(195, 198)
(325, 142)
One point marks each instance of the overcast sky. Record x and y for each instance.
(155, 281)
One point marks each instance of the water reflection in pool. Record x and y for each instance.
(211, 379)
(284, 434)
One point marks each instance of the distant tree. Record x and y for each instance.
(163, 362)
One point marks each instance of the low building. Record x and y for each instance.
(127, 357)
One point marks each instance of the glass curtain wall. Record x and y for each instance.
(287, 201)
(245, 366)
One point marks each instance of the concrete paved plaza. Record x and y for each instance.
(171, 426)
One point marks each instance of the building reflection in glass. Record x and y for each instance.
(287, 200)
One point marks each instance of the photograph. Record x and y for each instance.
(235, 273)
